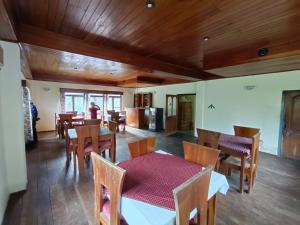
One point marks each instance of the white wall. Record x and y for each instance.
(48, 102)
(260, 107)
(13, 175)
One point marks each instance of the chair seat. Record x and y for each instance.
(106, 212)
(104, 144)
(236, 161)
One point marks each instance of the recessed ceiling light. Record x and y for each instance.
(205, 38)
(149, 4)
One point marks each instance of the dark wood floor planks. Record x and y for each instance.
(56, 196)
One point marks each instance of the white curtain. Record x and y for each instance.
(27, 115)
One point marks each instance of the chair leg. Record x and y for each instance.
(242, 173)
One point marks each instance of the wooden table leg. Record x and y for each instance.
(242, 172)
(68, 149)
(113, 149)
(212, 210)
(80, 158)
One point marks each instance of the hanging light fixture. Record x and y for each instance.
(149, 4)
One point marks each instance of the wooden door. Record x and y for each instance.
(291, 129)
(171, 113)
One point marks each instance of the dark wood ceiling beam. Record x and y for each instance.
(249, 54)
(40, 37)
(7, 29)
(42, 76)
(142, 80)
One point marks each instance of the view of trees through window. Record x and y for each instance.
(80, 102)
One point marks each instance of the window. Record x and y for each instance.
(114, 103)
(74, 102)
(80, 100)
(98, 99)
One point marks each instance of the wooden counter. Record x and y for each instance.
(135, 117)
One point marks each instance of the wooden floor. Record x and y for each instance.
(56, 196)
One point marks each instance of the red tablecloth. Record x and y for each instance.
(152, 178)
(236, 143)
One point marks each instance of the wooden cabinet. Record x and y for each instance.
(143, 100)
(135, 117)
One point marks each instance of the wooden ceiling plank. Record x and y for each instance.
(36, 36)
(76, 80)
(248, 54)
(7, 29)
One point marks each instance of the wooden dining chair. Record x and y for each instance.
(190, 195)
(200, 154)
(107, 144)
(247, 132)
(65, 123)
(92, 122)
(142, 147)
(210, 139)
(87, 142)
(110, 177)
(251, 164)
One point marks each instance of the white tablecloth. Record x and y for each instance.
(140, 213)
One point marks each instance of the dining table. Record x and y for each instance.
(147, 196)
(105, 134)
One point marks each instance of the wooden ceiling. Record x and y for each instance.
(122, 43)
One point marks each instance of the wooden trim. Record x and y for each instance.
(66, 79)
(85, 91)
(6, 23)
(40, 37)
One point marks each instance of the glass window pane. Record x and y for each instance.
(109, 104)
(174, 106)
(78, 104)
(68, 104)
(117, 104)
(169, 106)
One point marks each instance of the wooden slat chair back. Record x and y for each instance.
(208, 138)
(65, 122)
(247, 132)
(92, 122)
(199, 154)
(87, 142)
(192, 195)
(142, 147)
(112, 126)
(111, 177)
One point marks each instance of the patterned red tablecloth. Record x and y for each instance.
(236, 143)
(152, 178)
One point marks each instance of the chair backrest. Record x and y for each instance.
(92, 122)
(74, 113)
(199, 154)
(190, 195)
(109, 112)
(255, 149)
(208, 138)
(107, 175)
(87, 134)
(247, 132)
(142, 147)
(65, 119)
(112, 126)
(115, 116)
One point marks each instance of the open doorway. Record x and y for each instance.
(291, 125)
(186, 113)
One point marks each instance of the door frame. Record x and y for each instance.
(178, 96)
(282, 121)
(166, 112)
